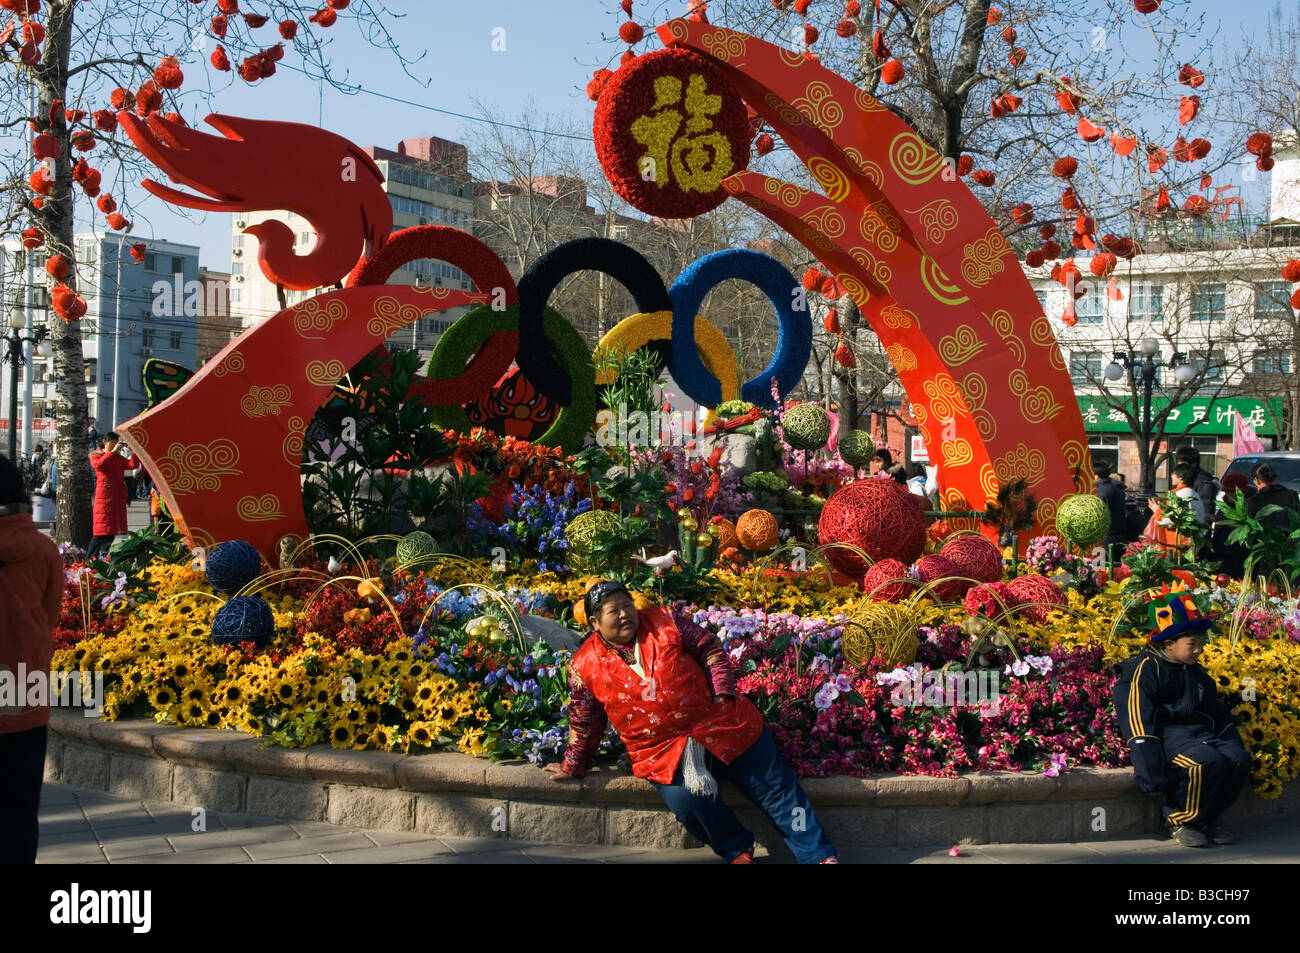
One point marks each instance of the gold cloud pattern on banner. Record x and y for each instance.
(984, 257)
(938, 218)
(314, 322)
(259, 509)
(913, 159)
(265, 401)
(960, 346)
(199, 467)
(325, 373)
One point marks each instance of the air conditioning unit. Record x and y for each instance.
(239, 277)
(238, 252)
(146, 352)
(240, 223)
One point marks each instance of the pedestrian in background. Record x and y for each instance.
(1231, 556)
(109, 518)
(31, 593)
(1112, 495)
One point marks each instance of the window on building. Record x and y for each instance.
(238, 241)
(305, 238)
(1091, 308)
(1272, 362)
(92, 366)
(174, 340)
(1273, 301)
(236, 295)
(1146, 302)
(1104, 448)
(1209, 302)
(150, 261)
(178, 265)
(147, 336)
(1042, 300)
(1209, 363)
(1085, 366)
(40, 371)
(236, 267)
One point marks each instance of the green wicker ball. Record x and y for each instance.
(856, 448)
(414, 550)
(807, 427)
(1083, 519)
(582, 532)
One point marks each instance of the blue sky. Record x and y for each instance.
(551, 46)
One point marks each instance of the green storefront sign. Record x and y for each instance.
(1195, 417)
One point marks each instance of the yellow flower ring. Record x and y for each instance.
(459, 342)
(794, 335)
(655, 331)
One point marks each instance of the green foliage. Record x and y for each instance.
(1271, 548)
(1150, 567)
(134, 554)
(1180, 517)
(358, 493)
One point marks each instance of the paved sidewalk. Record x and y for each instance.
(84, 826)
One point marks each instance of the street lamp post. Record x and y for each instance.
(14, 356)
(1146, 369)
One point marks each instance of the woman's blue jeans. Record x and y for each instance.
(763, 776)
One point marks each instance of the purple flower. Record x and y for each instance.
(826, 696)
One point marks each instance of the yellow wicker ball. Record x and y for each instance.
(881, 629)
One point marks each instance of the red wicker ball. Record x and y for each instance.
(886, 581)
(934, 567)
(976, 556)
(1035, 588)
(877, 515)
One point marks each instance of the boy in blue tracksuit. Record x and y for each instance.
(1181, 736)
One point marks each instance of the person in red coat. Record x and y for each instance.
(667, 686)
(109, 518)
(31, 592)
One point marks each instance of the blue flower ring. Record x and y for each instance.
(622, 263)
(794, 335)
(459, 342)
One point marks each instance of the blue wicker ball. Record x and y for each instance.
(243, 619)
(233, 565)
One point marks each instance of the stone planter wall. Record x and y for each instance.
(457, 795)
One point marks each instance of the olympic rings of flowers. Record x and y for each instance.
(649, 330)
(465, 336)
(619, 261)
(668, 129)
(457, 383)
(794, 337)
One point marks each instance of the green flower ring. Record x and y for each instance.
(647, 330)
(459, 342)
(622, 263)
(794, 337)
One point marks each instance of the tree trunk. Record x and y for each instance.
(71, 448)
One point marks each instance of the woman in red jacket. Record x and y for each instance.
(31, 591)
(110, 493)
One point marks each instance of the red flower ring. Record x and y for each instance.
(485, 269)
(666, 148)
(619, 261)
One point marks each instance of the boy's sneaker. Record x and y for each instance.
(745, 857)
(1187, 836)
(1218, 834)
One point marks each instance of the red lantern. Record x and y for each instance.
(630, 33)
(1089, 131)
(984, 177)
(288, 29)
(1291, 270)
(57, 267)
(844, 357)
(1189, 75)
(1065, 167)
(168, 75)
(892, 72)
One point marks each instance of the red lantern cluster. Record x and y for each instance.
(1260, 144)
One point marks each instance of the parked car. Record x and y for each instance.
(1285, 462)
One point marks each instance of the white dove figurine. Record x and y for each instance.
(334, 567)
(660, 564)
